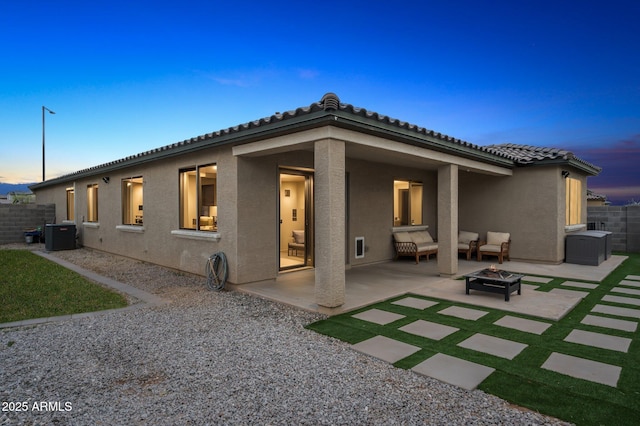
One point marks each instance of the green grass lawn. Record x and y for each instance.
(34, 287)
(521, 380)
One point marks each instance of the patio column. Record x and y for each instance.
(329, 204)
(448, 220)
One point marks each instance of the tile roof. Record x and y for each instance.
(330, 104)
(527, 154)
(593, 196)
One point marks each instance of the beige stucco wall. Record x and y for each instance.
(370, 206)
(530, 205)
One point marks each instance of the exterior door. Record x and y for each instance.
(295, 202)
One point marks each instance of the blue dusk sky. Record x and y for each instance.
(127, 76)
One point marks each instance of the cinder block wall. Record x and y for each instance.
(623, 221)
(15, 218)
(633, 228)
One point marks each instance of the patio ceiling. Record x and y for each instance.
(370, 148)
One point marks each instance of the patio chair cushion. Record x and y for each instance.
(497, 238)
(465, 237)
(298, 237)
(491, 247)
(421, 237)
(402, 237)
(427, 247)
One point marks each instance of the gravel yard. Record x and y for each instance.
(213, 358)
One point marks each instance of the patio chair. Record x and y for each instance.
(467, 243)
(497, 244)
(297, 242)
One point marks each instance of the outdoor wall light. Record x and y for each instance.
(106, 179)
(565, 174)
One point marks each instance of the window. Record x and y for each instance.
(71, 204)
(132, 201)
(573, 208)
(92, 203)
(198, 198)
(407, 203)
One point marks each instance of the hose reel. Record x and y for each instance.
(217, 271)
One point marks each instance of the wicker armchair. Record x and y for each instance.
(467, 243)
(497, 244)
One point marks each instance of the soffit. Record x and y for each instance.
(364, 146)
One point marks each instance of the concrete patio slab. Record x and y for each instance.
(523, 324)
(414, 302)
(496, 346)
(386, 349)
(616, 324)
(633, 277)
(430, 330)
(531, 279)
(368, 284)
(533, 303)
(567, 270)
(464, 313)
(630, 283)
(579, 284)
(623, 290)
(455, 371)
(599, 340)
(378, 316)
(585, 369)
(618, 311)
(573, 293)
(620, 299)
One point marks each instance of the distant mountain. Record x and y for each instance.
(6, 188)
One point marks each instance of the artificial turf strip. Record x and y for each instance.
(34, 287)
(522, 380)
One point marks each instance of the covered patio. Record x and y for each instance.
(373, 283)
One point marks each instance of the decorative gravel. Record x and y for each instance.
(214, 358)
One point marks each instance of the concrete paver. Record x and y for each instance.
(523, 324)
(378, 316)
(615, 310)
(430, 330)
(633, 277)
(465, 374)
(386, 349)
(491, 345)
(585, 369)
(531, 279)
(414, 302)
(464, 313)
(599, 340)
(630, 283)
(616, 324)
(631, 291)
(623, 300)
(565, 292)
(579, 284)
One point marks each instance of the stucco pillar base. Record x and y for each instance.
(448, 220)
(329, 196)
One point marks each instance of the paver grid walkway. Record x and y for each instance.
(469, 375)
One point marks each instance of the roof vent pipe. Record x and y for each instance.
(330, 102)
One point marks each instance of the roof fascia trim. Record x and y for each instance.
(414, 137)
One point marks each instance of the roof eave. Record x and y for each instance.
(250, 132)
(573, 162)
(291, 125)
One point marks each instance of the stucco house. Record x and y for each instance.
(342, 177)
